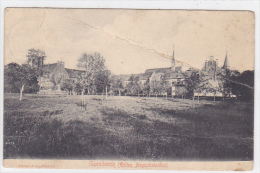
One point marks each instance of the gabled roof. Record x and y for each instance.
(73, 73)
(158, 70)
(163, 70)
(123, 77)
(174, 75)
(49, 67)
(144, 76)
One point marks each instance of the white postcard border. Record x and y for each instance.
(201, 5)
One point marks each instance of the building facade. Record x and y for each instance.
(53, 75)
(173, 75)
(176, 80)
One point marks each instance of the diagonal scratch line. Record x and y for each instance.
(137, 44)
(42, 20)
(150, 49)
(248, 86)
(223, 77)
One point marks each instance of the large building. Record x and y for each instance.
(173, 75)
(211, 73)
(177, 79)
(54, 74)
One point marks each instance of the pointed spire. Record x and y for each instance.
(226, 64)
(173, 60)
(173, 53)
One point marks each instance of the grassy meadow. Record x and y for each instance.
(126, 128)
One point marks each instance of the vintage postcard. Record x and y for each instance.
(128, 89)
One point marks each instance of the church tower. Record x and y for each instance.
(173, 61)
(226, 64)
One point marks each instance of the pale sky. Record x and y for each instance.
(131, 41)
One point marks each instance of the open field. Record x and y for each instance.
(126, 128)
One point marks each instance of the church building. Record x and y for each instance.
(173, 76)
(176, 80)
(211, 73)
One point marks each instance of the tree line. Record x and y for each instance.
(96, 78)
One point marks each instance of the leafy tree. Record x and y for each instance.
(247, 89)
(68, 85)
(35, 58)
(192, 83)
(92, 64)
(137, 85)
(133, 87)
(155, 87)
(242, 85)
(78, 88)
(10, 83)
(21, 77)
(146, 88)
(235, 87)
(117, 85)
(203, 85)
(157, 84)
(213, 87)
(182, 91)
(24, 78)
(225, 82)
(34, 87)
(130, 85)
(103, 81)
(164, 84)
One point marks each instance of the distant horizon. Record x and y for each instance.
(131, 41)
(177, 62)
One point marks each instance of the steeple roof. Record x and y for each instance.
(226, 64)
(173, 59)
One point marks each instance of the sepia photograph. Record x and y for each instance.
(128, 88)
